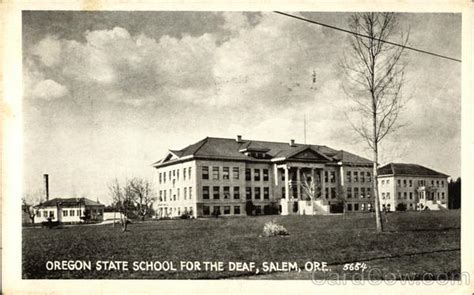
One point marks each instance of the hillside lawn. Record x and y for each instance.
(415, 243)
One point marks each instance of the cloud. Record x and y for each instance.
(48, 50)
(49, 89)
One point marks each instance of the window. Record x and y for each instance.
(442, 183)
(226, 210)
(65, 212)
(225, 173)
(258, 210)
(283, 193)
(383, 196)
(184, 173)
(348, 176)
(356, 192)
(206, 210)
(405, 183)
(265, 174)
(326, 191)
(399, 195)
(164, 195)
(432, 182)
(205, 192)
(169, 175)
(177, 193)
(78, 211)
(383, 182)
(164, 177)
(369, 189)
(411, 196)
(51, 214)
(405, 195)
(356, 207)
(349, 192)
(369, 179)
(410, 183)
(256, 174)
(349, 207)
(226, 192)
(159, 178)
(333, 192)
(326, 176)
(71, 212)
(362, 206)
(437, 183)
(362, 192)
(205, 172)
(215, 173)
(236, 209)
(283, 176)
(189, 173)
(185, 192)
(257, 193)
(266, 193)
(190, 193)
(362, 177)
(247, 174)
(333, 176)
(215, 192)
(356, 176)
(235, 172)
(236, 192)
(398, 182)
(442, 195)
(248, 193)
(171, 195)
(177, 174)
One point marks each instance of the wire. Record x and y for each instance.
(365, 36)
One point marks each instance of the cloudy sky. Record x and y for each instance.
(108, 93)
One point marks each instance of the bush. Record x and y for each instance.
(401, 207)
(272, 229)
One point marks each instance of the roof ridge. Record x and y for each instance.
(203, 141)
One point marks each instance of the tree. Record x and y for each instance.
(311, 187)
(30, 204)
(144, 196)
(123, 199)
(375, 75)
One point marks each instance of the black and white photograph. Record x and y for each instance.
(296, 145)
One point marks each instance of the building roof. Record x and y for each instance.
(232, 149)
(65, 202)
(402, 169)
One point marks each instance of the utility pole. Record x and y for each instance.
(304, 122)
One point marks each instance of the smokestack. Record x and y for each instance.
(46, 186)
(239, 138)
(292, 142)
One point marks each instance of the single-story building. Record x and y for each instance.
(70, 210)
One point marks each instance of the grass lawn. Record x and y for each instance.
(415, 243)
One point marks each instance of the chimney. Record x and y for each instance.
(292, 142)
(239, 138)
(46, 186)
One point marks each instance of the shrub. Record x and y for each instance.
(401, 207)
(272, 229)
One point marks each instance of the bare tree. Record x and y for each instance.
(144, 196)
(123, 199)
(375, 75)
(30, 204)
(311, 187)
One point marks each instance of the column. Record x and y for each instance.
(323, 190)
(298, 183)
(275, 169)
(287, 183)
(313, 179)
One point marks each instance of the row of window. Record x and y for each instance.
(409, 182)
(174, 174)
(258, 174)
(358, 176)
(329, 176)
(187, 194)
(358, 207)
(255, 192)
(409, 195)
(166, 211)
(226, 210)
(356, 192)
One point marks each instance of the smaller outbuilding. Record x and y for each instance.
(70, 210)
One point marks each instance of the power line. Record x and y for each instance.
(365, 36)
